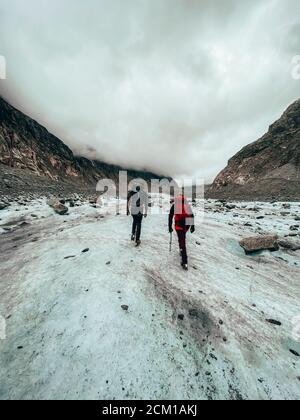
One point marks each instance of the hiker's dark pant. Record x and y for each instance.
(137, 226)
(182, 245)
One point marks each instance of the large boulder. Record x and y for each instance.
(58, 207)
(260, 243)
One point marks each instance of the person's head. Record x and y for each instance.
(181, 198)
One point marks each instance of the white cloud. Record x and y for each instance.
(174, 86)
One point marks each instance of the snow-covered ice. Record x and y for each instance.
(197, 335)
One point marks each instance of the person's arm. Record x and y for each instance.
(192, 221)
(193, 224)
(128, 200)
(171, 216)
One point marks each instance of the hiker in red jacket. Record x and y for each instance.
(184, 221)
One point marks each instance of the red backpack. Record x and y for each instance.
(182, 212)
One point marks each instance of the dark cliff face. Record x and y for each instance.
(269, 167)
(25, 144)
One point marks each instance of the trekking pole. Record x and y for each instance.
(170, 242)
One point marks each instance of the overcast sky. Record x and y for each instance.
(175, 86)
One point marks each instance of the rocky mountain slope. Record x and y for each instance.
(268, 168)
(28, 151)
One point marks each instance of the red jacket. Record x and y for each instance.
(184, 217)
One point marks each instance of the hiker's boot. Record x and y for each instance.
(184, 262)
(185, 267)
(133, 237)
(138, 243)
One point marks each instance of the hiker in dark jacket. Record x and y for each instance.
(137, 206)
(184, 221)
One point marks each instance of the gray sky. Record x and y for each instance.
(175, 86)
